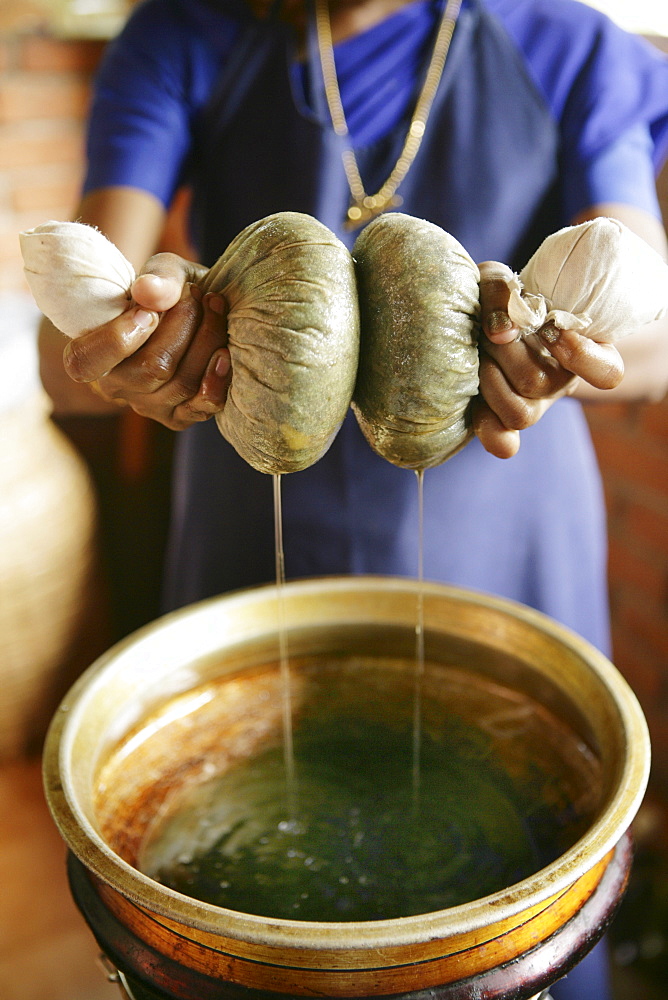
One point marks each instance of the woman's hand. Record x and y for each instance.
(166, 355)
(517, 383)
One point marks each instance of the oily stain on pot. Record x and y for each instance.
(360, 847)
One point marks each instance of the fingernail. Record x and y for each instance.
(158, 282)
(216, 304)
(549, 333)
(222, 365)
(498, 321)
(196, 292)
(143, 319)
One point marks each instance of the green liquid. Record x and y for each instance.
(360, 847)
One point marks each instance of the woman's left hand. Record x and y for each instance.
(517, 383)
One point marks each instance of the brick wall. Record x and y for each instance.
(44, 86)
(632, 445)
(44, 92)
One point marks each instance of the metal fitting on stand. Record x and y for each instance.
(115, 975)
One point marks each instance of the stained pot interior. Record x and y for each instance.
(207, 732)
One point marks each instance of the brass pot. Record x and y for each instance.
(140, 702)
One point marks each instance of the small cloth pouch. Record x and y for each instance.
(78, 278)
(598, 279)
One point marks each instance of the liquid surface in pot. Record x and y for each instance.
(505, 788)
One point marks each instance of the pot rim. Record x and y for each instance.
(600, 839)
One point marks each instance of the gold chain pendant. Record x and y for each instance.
(365, 207)
(362, 212)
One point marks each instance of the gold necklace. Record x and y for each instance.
(364, 207)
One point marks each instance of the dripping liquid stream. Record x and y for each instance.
(419, 646)
(286, 701)
(328, 847)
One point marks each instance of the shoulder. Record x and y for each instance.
(153, 81)
(173, 47)
(606, 89)
(577, 54)
(163, 27)
(562, 21)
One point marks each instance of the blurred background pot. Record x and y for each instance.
(147, 703)
(51, 607)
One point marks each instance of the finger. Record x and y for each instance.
(529, 373)
(196, 363)
(494, 318)
(99, 391)
(156, 363)
(91, 355)
(514, 410)
(209, 400)
(494, 437)
(182, 377)
(212, 394)
(600, 365)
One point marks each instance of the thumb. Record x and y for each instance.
(494, 293)
(160, 283)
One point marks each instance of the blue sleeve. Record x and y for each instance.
(608, 92)
(622, 171)
(154, 80)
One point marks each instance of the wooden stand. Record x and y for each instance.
(146, 974)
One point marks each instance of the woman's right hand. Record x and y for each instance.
(166, 356)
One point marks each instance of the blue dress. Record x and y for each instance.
(543, 109)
